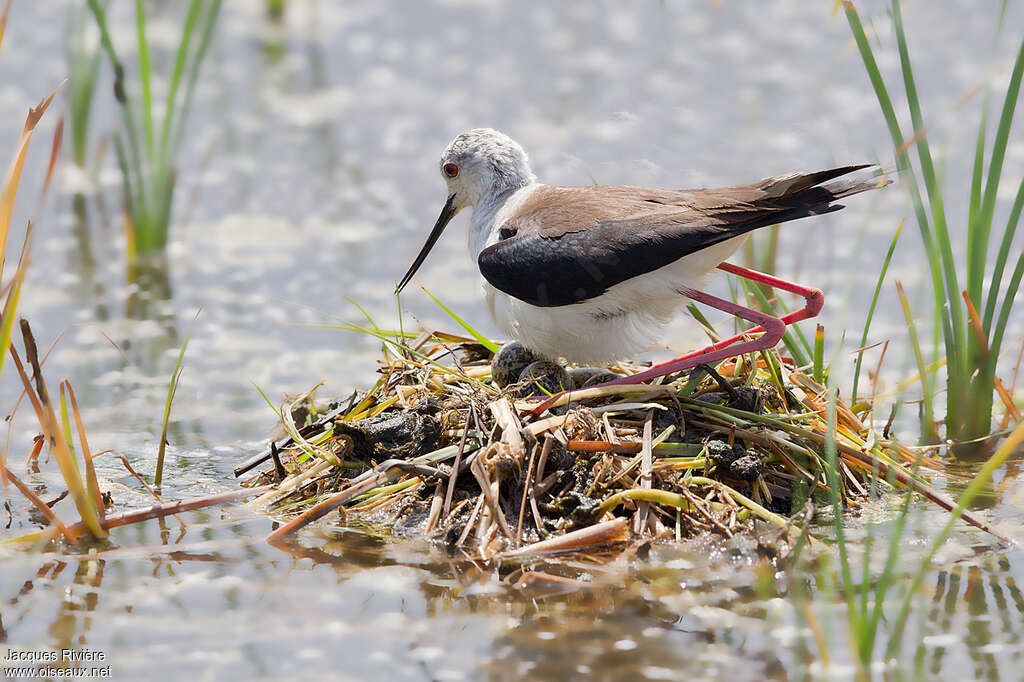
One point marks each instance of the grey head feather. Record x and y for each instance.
(494, 157)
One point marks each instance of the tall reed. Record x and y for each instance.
(147, 146)
(972, 317)
(83, 71)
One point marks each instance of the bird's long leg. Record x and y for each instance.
(815, 297)
(773, 328)
(727, 348)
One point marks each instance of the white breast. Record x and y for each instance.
(626, 319)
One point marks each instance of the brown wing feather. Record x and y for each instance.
(565, 245)
(554, 211)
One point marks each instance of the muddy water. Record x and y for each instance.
(309, 178)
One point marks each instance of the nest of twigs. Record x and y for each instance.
(435, 448)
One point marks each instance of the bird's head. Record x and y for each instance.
(477, 165)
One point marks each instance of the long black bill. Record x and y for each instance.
(447, 213)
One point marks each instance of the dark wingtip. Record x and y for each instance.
(831, 173)
(794, 184)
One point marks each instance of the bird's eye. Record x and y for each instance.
(451, 170)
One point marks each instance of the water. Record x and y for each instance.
(309, 177)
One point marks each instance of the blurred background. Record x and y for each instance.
(306, 179)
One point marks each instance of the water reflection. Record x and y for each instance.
(81, 256)
(673, 613)
(982, 610)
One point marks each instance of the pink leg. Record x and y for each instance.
(815, 297)
(773, 327)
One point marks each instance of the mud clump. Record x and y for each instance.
(393, 434)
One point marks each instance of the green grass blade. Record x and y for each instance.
(941, 231)
(980, 230)
(148, 162)
(284, 414)
(391, 337)
(364, 312)
(834, 480)
(207, 23)
(978, 169)
(888, 576)
(10, 306)
(923, 148)
(145, 78)
(871, 310)
(906, 172)
(132, 154)
(1003, 256)
(83, 69)
(348, 327)
(65, 425)
(927, 417)
(771, 363)
(180, 61)
(483, 340)
(401, 322)
(874, 74)
(819, 354)
(172, 388)
(131, 198)
(1004, 314)
(699, 316)
(865, 635)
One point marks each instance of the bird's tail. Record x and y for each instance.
(808, 193)
(845, 188)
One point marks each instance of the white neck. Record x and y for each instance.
(483, 223)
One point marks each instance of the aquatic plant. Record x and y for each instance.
(75, 458)
(172, 389)
(11, 289)
(147, 158)
(61, 423)
(83, 69)
(82, 485)
(56, 433)
(878, 607)
(970, 318)
(761, 255)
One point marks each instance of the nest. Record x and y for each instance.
(436, 449)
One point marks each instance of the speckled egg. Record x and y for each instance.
(544, 376)
(584, 377)
(509, 362)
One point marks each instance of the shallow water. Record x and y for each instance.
(308, 178)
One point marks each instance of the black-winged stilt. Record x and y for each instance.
(594, 273)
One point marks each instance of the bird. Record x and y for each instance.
(594, 273)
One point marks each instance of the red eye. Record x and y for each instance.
(451, 170)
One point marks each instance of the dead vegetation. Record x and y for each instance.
(435, 448)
